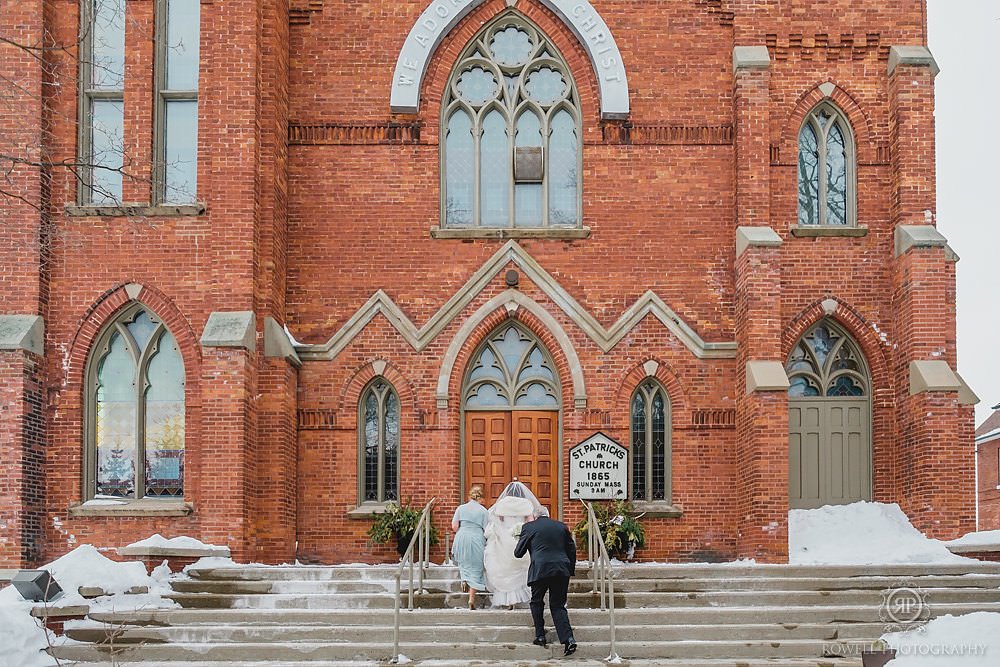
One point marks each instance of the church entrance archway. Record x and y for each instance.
(830, 423)
(512, 402)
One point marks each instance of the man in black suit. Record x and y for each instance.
(553, 562)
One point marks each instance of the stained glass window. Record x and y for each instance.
(511, 91)
(512, 371)
(102, 90)
(826, 169)
(137, 410)
(379, 439)
(650, 418)
(826, 362)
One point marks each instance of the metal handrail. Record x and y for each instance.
(422, 541)
(600, 572)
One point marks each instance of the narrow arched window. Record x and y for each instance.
(511, 126)
(651, 450)
(135, 410)
(378, 437)
(826, 169)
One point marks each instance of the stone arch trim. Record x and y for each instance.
(362, 377)
(507, 305)
(441, 16)
(866, 150)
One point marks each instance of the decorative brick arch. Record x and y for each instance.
(446, 56)
(360, 379)
(861, 125)
(501, 308)
(666, 376)
(447, 22)
(98, 316)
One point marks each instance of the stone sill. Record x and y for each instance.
(552, 233)
(144, 507)
(974, 549)
(817, 231)
(135, 210)
(174, 552)
(367, 511)
(658, 510)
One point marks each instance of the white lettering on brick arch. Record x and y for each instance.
(442, 15)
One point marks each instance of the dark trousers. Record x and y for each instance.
(557, 588)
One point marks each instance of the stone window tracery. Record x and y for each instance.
(512, 371)
(135, 410)
(511, 128)
(827, 363)
(826, 170)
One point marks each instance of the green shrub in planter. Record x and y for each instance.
(622, 531)
(398, 523)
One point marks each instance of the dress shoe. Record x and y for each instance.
(570, 647)
(540, 641)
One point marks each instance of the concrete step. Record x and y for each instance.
(573, 661)
(378, 650)
(665, 600)
(100, 632)
(445, 617)
(631, 571)
(578, 585)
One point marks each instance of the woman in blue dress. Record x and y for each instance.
(468, 523)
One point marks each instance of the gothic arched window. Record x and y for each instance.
(651, 448)
(827, 363)
(512, 371)
(378, 436)
(511, 133)
(826, 169)
(135, 410)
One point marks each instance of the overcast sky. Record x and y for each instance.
(965, 40)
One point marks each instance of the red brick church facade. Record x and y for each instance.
(317, 328)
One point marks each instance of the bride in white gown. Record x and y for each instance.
(506, 576)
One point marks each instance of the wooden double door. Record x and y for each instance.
(500, 446)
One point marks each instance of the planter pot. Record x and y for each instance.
(877, 658)
(402, 542)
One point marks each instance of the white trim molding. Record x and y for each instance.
(511, 252)
(442, 15)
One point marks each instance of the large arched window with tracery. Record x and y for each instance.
(827, 363)
(512, 371)
(135, 410)
(826, 169)
(511, 133)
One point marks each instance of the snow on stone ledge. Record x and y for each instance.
(183, 546)
(949, 641)
(985, 540)
(861, 534)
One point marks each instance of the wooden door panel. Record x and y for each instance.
(535, 434)
(487, 460)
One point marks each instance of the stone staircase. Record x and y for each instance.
(695, 616)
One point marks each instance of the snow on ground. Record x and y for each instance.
(861, 534)
(984, 538)
(949, 641)
(159, 541)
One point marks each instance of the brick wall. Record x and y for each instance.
(307, 231)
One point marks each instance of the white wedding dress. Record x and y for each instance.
(506, 576)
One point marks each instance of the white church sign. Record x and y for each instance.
(442, 15)
(598, 469)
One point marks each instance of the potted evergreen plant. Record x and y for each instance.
(618, 523)
(398, 522)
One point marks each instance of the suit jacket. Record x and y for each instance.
(552, 549)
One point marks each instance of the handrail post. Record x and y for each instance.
(395, 629)
(420, 540)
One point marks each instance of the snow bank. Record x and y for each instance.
(159, 541)
(86, 566)
(21, 636)
(985, 538)
(861, 534)
(949, 641)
